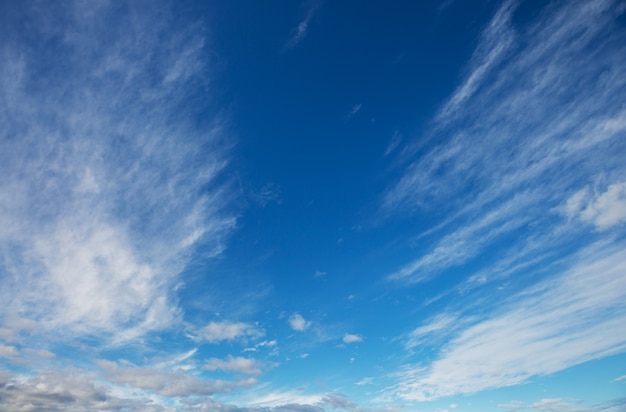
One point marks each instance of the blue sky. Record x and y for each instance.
(313, 206)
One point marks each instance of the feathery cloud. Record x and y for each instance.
(303, 27)
(104, 189)
(558, 323)
(246, 366)
(554, 108)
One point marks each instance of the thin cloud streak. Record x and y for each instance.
(496, 40)
(302, 29)
(557, 324)
(553, 111)
(529, 165)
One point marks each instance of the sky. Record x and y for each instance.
(313, 206)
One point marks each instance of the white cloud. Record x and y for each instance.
(463, 244)
(604, 210)
(246, 366)
(290, 397)
(539, 113)
(7, 351)
(556, 324)
(365, 381)
(496, 40)
(167, 382)
(352, 338)
(512, 406)
(303, 27)
(104, 189)
(558, 405)
(319, 274)
(297, 322)
(65, 390)
(215, 332)
(40, 353)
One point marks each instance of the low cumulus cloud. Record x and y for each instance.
(215, 332)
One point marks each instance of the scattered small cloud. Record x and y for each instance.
(352, 338)
(355, 109)
(303, 27)
(7, 351)
(319, 274)
(269, 193)
(215, 332)
(604, 210)
(365, 381)
(512, 406)
(298, 323)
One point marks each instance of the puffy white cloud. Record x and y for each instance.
(352, 338)
(215, 332)
(604, 210)
(283, 398)
(298, 323)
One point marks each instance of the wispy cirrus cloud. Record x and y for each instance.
(500, 157)
(302, 29)
(104, 188)
(556, 324)
(524, 159)
(496, 40)
(353, 111)
(560, 405)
